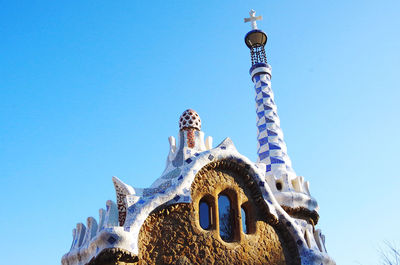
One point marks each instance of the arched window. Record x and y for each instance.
(244, 220)
(248, 223)
(228, 215)
(205, 214)
(226, 221)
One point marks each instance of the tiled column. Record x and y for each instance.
(271, 147)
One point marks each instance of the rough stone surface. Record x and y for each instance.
(311, 217)
(114, 257)
(172, 234)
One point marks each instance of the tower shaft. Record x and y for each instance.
(271, 147)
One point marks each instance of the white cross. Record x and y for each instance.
(253, 19)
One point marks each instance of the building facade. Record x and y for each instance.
(212, 205)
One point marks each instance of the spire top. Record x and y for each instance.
(253, 19)
(255, 41)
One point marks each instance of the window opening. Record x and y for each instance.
(279, 185)
(226, 221)
(205, 215)
(244, 220)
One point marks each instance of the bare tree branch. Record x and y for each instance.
(390, 254)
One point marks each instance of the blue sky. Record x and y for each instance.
(90, 90)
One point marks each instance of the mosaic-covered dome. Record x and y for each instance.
(189, 120)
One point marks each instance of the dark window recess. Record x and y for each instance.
(244, 220)
(278, 185)
(204, 212)
(226, 222)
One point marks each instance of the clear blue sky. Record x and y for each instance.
(92, 89)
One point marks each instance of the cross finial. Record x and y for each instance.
(253, 19)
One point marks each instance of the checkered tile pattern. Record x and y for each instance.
(271, 147)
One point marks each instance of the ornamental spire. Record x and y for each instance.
(272, 149)
(256, 40)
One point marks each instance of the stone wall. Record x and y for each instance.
(172, 234)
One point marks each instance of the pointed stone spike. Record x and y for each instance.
(227, 143)
(209, 141)
(311, 237)
(121, 190)
(73, 237)
(301, 179)
(81, 231)
(307, 187)
(111, 214)
(297, 185)
(172, 144)
(307, 238)
(92, 227)
(172, 150)
(318, 240)
(102, 216)
(323, 242)
(88, 234)
(121, 186)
